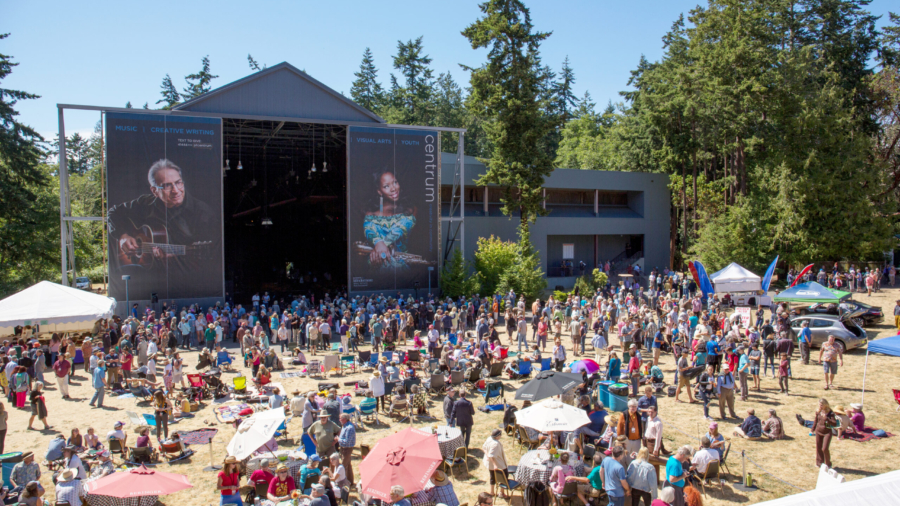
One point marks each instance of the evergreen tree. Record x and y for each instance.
(254, 66)
(449, 110)
(457, 278)
(199, 83)
(366, 90)
(128, 105)
(526, 276)
(507, 89)
(564, 97)
(411, 100)
(170, 95)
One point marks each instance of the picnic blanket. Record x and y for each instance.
(197, 437)
(266, 389)
(866, 435)
(286, 375)
(228, 414)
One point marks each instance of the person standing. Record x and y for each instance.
(631, 426)
(743, 372)
(804, 338)
(494, 457)
(448, 406)
(614, 477)
(4, 416)
(676, 473)
(229, 482)
(683, 381)
(824, 421)
(99, 383)
(61, 371)
(522, 331)
(323, 434)
(642, 479)
(38, 406)
(828, 357)
(462, 415)
(725, 384)
(347, 440)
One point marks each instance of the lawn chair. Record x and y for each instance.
(722, 463)
(115, 446)
(309, 446)
(453, 339)
(240, 384)
(569, 491)
(437, 384)
(224, 360)
(460, 456)
(331, 362)
(373, 360)
(135, 419)
(335, 346)
(310, 481)
(348, 362)
(896, 397)
(139, 396)
(496, 369)
(545, 364)
(408, 383)
(282, 430)
(173, 452)
(433, 365)
(345, 496)
(712, 472)
(524, 369)
(414, 356)
(457, 378)
(589, 451)
(314, 368)
(365, 359)
(369, 409)
(262, 490)
(399, 407)
(198, 386)
(494, 389)
(143, 455)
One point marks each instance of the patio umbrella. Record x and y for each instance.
(547, 384)
(407, 458)
(138, 482)
(587, 365)
(552, 415)
(254, 432)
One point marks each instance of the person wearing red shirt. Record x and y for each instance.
(281, 487)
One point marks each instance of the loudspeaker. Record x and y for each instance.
(153, 298)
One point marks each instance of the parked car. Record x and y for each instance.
(848, 335)
(83, 283)
(863, 314)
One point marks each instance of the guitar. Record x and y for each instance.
(152, 239)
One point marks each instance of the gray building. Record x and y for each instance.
(593, 217)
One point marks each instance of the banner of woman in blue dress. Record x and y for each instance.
(394, 208)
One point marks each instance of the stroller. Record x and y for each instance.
(214, 384)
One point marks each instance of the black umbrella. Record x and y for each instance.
(547, 384)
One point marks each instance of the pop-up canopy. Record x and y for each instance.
(888, 346)
(57, 306)
(735, 278)
(812, 293)
(879, 489)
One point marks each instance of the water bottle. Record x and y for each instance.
(256, 501)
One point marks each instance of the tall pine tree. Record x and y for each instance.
(366, 90)
(199, 83)
(170, 95)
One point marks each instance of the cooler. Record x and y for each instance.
(8, 461)
(603, 391)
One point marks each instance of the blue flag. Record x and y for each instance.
(705, 283)
(767, 279)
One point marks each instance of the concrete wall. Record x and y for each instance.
(647, 214)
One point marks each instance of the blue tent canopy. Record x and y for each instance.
(888, 346)
(812, 293)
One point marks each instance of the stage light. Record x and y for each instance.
(240, 167)
(227, 164)
(253, 182)
(308, 175)
(313, 167)
(324, 167)
(266, 222)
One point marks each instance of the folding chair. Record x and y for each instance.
(262, 490)
(310, 481)
(453, 339)
(712, 471)
(369, 409)
(494, 389)
(457, 378)
(240, 384)
(512, 485)
(474, 376)
(348, 362)
(335, 346)
(725, 456)
(115, 446)
(135, 419)
(389, 355)
(437, 384)
(524, 369)
(365, 358)
(433, 365)
(139, 396)
(408, 383)
(460, 456)
(345, 495)
(399, 407)
(331, 362)
(545, 364)
(314, 368)
(414, 356)
(589, 451)
(373, 360)
(174, 452)
(496, 369)
(144, 455)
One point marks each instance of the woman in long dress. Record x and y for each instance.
(387, 227)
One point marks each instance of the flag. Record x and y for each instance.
(767, 279)
(802, 273)
(693, 270)
(705, 283)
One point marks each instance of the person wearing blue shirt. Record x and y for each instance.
(805, 339)
(597, 417)
(614, 370)
(676, 474)
(99, 383)
(743, 372)
(614, 477)
(347, 440)
(713, 352)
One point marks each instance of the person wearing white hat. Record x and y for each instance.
(104, 467)
(68, 489)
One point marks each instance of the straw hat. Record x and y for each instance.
(439, 478)
(612, 419)
(840, 410)
(377, 374)
(282, 467)
(67, 475)
(231, 459)
(383, 359)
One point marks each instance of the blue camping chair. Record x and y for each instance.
(524, 369)
(493, 389)
(373, 360)
(389, 355)
(309, 446)
(369, 407)
(453, 339)
(222, 359)
(545, 364)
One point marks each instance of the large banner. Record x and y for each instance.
(165, 198)
(394, 208)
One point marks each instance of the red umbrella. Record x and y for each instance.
(138, 482)
(407, 458)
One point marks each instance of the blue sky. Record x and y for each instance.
(107, 53)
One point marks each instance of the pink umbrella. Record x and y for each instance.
(407, 458)
(138, 482)
(586, 365)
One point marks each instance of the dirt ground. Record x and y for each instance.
(788, 463)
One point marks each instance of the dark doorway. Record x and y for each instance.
(285, 224)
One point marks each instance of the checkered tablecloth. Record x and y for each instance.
(537, 465)
(105, 500)
(449, 439)
(292, 465)
(421, 498)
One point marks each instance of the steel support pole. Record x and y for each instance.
(63, 198)
(462, 192)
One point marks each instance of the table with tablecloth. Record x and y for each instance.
(106, 500)
(536, 465)
(301, 502)
(449, 439)
(295, 460)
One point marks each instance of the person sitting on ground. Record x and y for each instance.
(772, 428)
(857, 417)
(32, 495)
(263, 377)
(146, 387)
(55, 449)
(751, 427)
(76, 440)
(91, 441)
(843, 417)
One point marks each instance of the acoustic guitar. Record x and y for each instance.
(150, 239)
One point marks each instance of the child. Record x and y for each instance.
(783, 373)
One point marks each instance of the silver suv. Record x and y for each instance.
(848, 335)
(83, 283)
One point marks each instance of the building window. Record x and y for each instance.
(568, 251)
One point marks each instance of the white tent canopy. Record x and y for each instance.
(735, 278)
(55, 307)
(880, 489)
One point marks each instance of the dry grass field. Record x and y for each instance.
(791, 460)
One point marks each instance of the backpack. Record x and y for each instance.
(536, 494)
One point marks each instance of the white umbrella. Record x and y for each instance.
(254, 432)
(552, 415)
